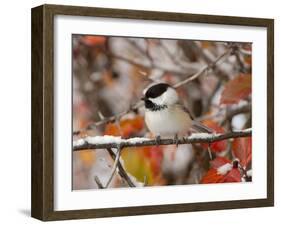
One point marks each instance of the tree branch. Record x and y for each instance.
(97, 180)
(104, 142)
(122, 172)
(208, 57)
(205, 69)
(227, 113)
(114, 167)
(113, 118)
(113, 170)
(240, 110)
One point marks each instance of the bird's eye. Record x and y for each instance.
(148, 103)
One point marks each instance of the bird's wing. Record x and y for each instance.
(185, 109)
(199, 127)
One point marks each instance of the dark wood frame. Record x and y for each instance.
(42, 203)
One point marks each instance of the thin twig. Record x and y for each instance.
(151, 64)
(210, 98)
(83, 144)
(210, 152)
(114, 167)
(132, 108)
(145, 53)
(244, 172)
(122, 172)
(204, 69)
(242, 67)
(147, 67)
(227, 113)
(171, 56)
(97, 180)
(240, 110)
(208, 56)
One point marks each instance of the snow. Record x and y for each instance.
(209, 135)
(243, 130)
(106, 139)
(137, 140)
(78, 142)
(238, 121)
(201, 136)
(249, 173)
(247, 130)
(222, 170)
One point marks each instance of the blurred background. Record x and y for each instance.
(109, 76)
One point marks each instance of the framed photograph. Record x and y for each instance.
(141, 112)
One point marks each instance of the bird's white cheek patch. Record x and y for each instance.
(170, 96)
(157, 100)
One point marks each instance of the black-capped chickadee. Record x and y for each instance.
(165, 116)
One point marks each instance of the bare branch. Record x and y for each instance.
(211, 96)
(145, 53)
(114, 167)
(171, 56)
(204, 69)
(208, 57)
(132, 108)
(117, 142)
(227, 114)
(240, 110)
(97, 180)
(122, 172)
(147, 67)
(241, 64)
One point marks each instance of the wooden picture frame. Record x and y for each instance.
(42, 203)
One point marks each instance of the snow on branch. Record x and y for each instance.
(105, 142)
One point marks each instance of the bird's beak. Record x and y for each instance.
(143, 98)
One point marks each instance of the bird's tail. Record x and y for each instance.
(199, 127)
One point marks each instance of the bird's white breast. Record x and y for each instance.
(168, 122)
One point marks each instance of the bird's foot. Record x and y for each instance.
(176, 140)
(158, 139)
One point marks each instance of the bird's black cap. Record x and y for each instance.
(156, 90)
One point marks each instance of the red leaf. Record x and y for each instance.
(94, 40)
(213, 176)
(242, 149)
(237, 89)
(219, 161)
(153, 155)
(233, 176)
(217, 146)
